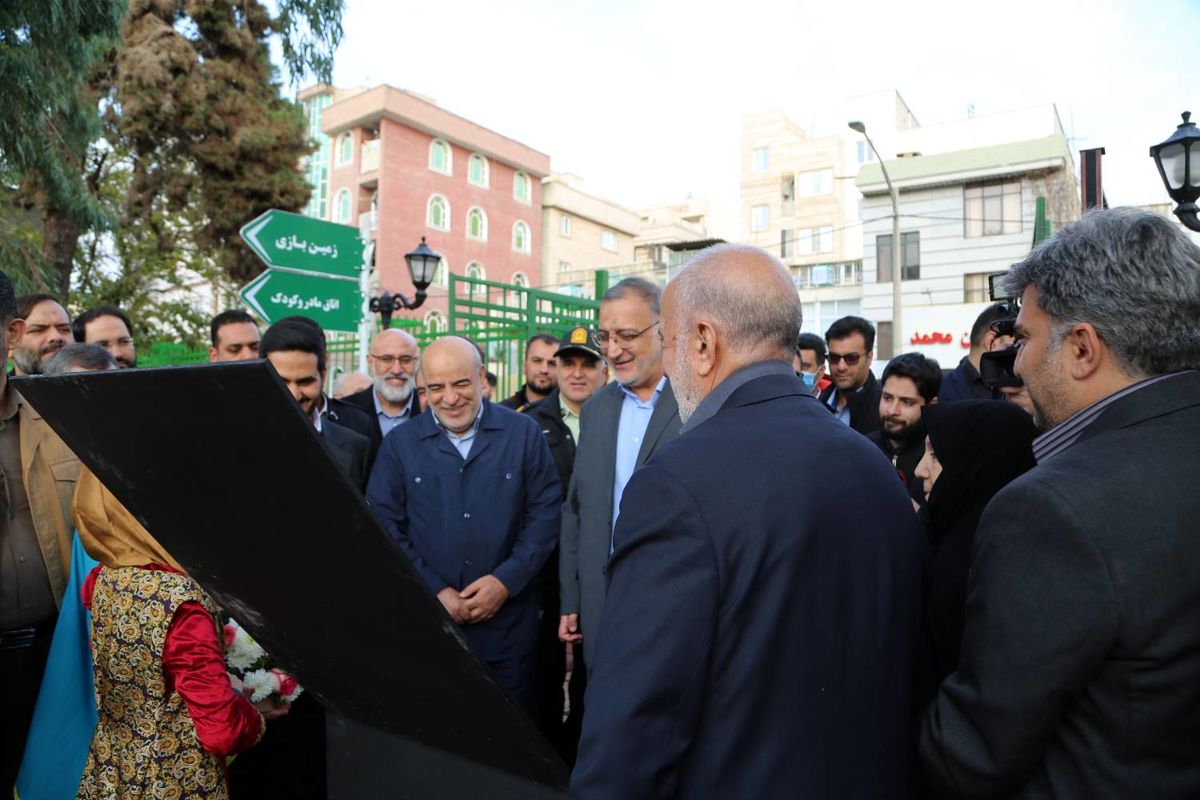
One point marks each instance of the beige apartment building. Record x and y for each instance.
(581, 232)
(799, 200)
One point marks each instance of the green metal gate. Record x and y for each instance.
(501, 317)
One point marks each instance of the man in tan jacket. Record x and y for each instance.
(38, 474)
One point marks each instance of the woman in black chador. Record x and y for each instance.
(972, 451)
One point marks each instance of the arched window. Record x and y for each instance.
(345, 149)
(475, 271)
(477, 170)
(521, 187)
(439, 157)
(477, 224)
(435, 321)
(437, 214)
(341, 206)
(520, 279)
(520, 237)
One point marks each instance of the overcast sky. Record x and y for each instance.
(644, 100)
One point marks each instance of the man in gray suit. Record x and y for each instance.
(623, 424)
(1080, 667)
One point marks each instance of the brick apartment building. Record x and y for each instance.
(400, 168)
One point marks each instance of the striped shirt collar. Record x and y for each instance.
(1068, 432)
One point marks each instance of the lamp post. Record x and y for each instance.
(422, 263)
(1178, 162)
(896, 276)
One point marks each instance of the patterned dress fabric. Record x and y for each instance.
(145, 745)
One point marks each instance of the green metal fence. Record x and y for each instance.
(499, 317)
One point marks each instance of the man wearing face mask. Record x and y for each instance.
(809, 362)
(910, 382)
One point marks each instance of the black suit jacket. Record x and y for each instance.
(364, 401)
(1080, 666)
(548, 414)
(864, 404)
(757, 641)
(963, 383)
(350, 450)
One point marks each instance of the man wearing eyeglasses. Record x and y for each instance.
(854, 396)
(623, 424)
(110, 328)
(392, 361)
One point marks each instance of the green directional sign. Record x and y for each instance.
(333, 303)
(294, 241)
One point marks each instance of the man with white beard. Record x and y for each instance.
(392, 361)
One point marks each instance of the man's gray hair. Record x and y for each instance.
(646, 291)
(1133, 275)
(79, 356)
(749, 314)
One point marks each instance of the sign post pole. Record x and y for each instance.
(365, 328)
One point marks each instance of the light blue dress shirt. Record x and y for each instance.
(462, 442)
(843, 415)
(631, 430)
(388, 421)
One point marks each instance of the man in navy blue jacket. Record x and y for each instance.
(471, 496)
(756, 641)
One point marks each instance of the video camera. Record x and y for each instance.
(996, 366)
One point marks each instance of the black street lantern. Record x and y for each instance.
(422, 264)
(1178, 161)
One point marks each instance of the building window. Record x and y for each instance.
(975, 287)
(321, 193)
(435, 321)
(520, 280)
(815, 240)
(341, 207)
(477, 225)
(787, 192)
(760, 159)
(564, 225)
(345, 149)
(440, 274)
(477, 170)
(475, 271)
(865, 153)
(787, 244)
(608, 240)
(564, 266)
(440, 158)
(760, 218)
(910, 257)
(992, 209)
(520, 237)
(521, 190)
(815, 183)
(438, 213)
(824, 240)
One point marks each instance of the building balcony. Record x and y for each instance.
(369, 156)
(815, 276)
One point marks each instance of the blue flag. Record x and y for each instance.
(65, 717)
